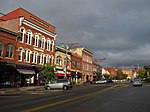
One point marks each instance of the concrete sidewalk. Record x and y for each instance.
(21, 89)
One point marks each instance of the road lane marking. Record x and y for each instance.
(68, 100)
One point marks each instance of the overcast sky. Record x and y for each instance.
(118, 30)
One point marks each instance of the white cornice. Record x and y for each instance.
(28, 23)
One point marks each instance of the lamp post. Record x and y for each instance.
(68, 46)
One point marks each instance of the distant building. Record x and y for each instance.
(87, 62)
(128, 72)
(112, 72)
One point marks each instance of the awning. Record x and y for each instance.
(60, 74)
(23, 71)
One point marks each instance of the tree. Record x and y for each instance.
(120, 74)
(142, 73)
(48, 72)
(107, 76)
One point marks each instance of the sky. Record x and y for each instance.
(117, 30)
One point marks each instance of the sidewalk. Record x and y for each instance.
(21, 89)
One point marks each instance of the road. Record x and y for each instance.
(89, 98)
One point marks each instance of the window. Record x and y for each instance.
(42, 43)
(20, 55)
(28, 37)
(1, 48)
(34, 57)
(48, 59)
(9, 51)
(59, 60)
(66, 61)
(48, 45)
(21, 35)
(35, 40)
(42, 59)
(27, 56)
(52, 46)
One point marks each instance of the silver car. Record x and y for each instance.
(137, 82)
(59, 84)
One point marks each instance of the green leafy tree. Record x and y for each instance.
(107, 76)
(48, 72)
(142, 73)
(120, 75)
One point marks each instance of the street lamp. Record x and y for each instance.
(68, 46)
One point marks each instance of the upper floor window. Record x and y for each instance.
(20, 55)
(59, 60)
(48, 45)
(35, 40)
(42, 59)
(21, 35)
(1, 48)
(34, 57)
(27, 56)
(9, 51)
(28, 37)
(42, 43)
(52, 46)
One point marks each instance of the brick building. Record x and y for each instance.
(87, 62)
(34, 44)
(76, 68)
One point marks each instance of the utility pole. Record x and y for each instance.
(68, 46)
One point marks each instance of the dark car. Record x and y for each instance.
(109, 80)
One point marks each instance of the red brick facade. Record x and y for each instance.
(34, 44)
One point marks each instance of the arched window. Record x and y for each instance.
(48, 45)
(20, 51)
(1, 48)
(35, 40)
(27, 55)
(42, 43)
(59, 60)
(52, 46)
(9, 51)
(21, 35)
(28, 37)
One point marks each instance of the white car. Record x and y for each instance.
(101, 82)
(59, 84)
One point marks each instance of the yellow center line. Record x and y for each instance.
(65, 101)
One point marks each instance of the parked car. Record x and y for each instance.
(101, 82)
(137, 82)
(59, 84)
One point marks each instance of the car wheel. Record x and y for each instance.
(65, 87)
(48, 88)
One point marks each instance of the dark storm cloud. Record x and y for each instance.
(118, 30)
